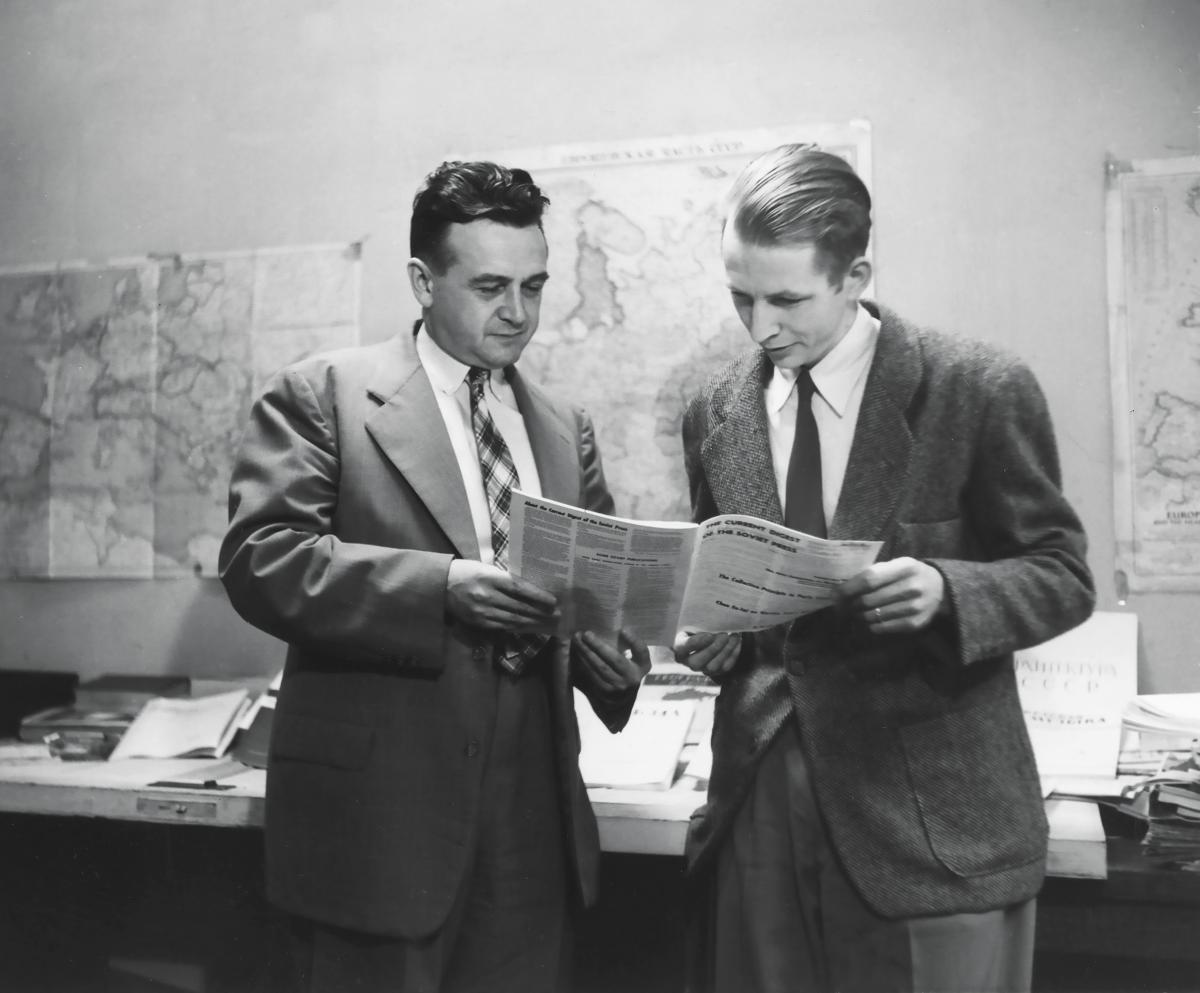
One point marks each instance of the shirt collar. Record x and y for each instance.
(445, 372)
(836, 374)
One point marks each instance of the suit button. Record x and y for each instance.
(472, 749)
(479, 654)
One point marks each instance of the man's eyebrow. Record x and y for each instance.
(538, 277)
(489, 277)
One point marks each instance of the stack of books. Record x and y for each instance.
(1170, 806)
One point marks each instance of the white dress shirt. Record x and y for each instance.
(448, 377)
(839, 378)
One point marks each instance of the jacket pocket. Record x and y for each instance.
(977, 791)
(314, 739)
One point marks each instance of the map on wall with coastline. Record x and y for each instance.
(1153, 227)
(637, 313)
(124, 388)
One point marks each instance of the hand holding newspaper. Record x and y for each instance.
(653, 578)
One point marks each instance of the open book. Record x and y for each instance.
(731, 573)
(178, 727)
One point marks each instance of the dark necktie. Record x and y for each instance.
(804, 508)
(499, 480)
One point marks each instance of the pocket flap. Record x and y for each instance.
(978, 793)
(314, 739)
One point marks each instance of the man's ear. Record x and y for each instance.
(858, 276)
(420, 278)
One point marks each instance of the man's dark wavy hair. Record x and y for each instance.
(461, 192)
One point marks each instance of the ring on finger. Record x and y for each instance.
(878, 615)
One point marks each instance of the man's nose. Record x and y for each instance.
(512, 310)
(761, 323)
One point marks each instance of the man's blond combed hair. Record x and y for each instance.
(800, 194)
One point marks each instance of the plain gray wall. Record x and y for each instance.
(130, 126)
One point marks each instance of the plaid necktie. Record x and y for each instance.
(499, 479)
(804, 507)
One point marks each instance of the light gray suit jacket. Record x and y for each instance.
(347, 506)
(919, 753)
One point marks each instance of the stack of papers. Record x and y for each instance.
(645, 755)
(1160, 730)
(1169, 803)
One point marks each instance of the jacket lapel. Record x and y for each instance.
(552, 441)
(736, 453)
(879, 455)
(408, 427)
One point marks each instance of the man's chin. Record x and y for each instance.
(785, 358)
(505, 351)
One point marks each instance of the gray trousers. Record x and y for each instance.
(787, 918)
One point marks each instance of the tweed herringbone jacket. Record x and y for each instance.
(919, 754)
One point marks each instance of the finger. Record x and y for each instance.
(903, 618)
(725, 659)
(711, 652)
(600, 672)
(539, 612)
(861, 584)
(693, 641)
(527, 592)
(878, 577)
(636, 648)
(616, 661)
(898, 596)
(707, 643)
(497, 618)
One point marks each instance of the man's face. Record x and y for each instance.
(484, 308)
(789, 307)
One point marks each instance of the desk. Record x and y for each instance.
(125, 866)
(634, 821)
(1092, 934)
(643, 822)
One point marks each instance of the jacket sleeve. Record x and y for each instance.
(287, 572)
(1032, 581)
(694, 430)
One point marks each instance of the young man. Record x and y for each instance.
(426, 823)
(874, 819)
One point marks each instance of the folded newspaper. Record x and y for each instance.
(653, 578)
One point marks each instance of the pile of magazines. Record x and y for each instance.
(1169, 803)
(1159, 731)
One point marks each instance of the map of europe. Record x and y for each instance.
(1158, 355)
(123, 392)
(637, 312)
